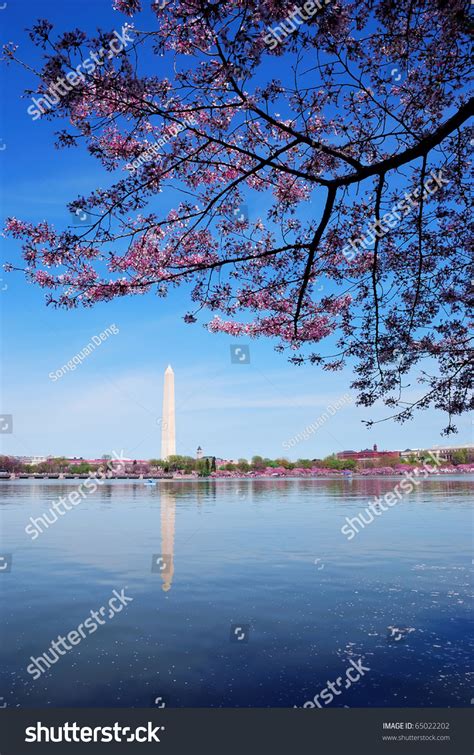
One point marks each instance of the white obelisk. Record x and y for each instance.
(168, 429)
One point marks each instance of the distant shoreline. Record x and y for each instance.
(220, 477)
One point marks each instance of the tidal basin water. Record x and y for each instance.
(265, 556)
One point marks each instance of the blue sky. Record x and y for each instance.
(113, 400)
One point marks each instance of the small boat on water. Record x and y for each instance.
(150, 482)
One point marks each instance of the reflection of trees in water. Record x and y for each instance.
(198, 491)
(206, 490)
(340, 489)
(106, 492)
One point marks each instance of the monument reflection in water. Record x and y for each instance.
(168, 514)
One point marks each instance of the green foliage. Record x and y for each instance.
(60, 463)
(203, 467)
(83, 468)
(159, 463)
(281, 462)
(304, 463)
(460, 457)
(243, 465)
(184, 463)
(332, 462)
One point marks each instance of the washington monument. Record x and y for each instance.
(168, 429)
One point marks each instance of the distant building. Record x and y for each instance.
(35, 460)
(77, 461)
(199, 453)
(369, 454)
(445, 453)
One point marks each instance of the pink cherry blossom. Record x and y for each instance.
(282, 183)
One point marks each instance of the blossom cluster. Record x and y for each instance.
(64, 84)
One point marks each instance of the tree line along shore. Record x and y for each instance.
(187, 466)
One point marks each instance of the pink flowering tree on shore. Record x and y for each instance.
(357, 180)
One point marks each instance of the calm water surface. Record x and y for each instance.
(265, 555)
